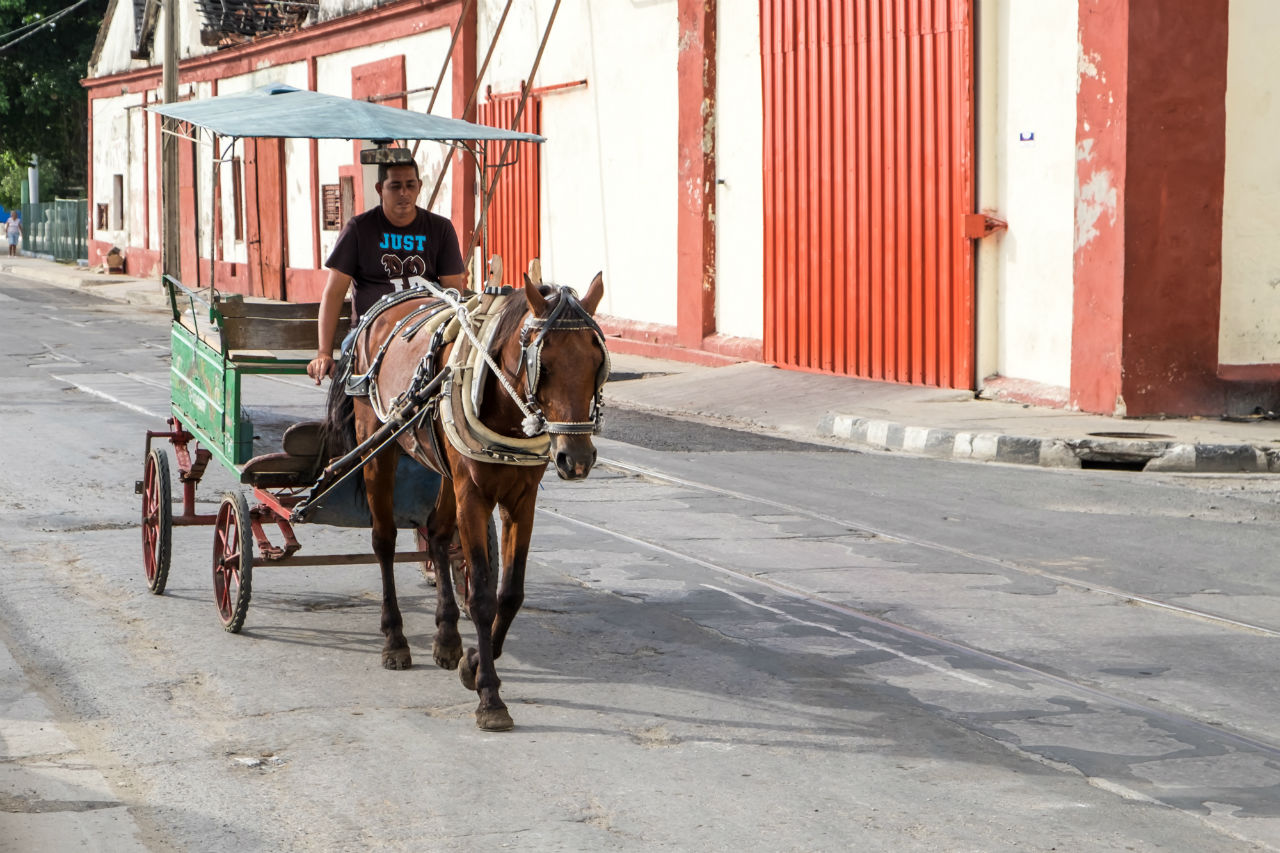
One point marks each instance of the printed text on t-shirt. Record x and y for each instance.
(403, 242)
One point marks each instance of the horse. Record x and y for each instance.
(541, 339)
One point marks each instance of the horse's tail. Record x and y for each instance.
(338, 431)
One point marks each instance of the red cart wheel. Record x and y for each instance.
(157, 519)
(232, 561)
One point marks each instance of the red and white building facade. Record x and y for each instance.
(1065, 202)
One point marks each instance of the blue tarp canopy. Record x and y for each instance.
(283, 111)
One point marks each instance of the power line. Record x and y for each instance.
(35, 26)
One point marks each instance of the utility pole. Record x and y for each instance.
(170, 260)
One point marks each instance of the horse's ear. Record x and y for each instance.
(594, 294)
(534, 294)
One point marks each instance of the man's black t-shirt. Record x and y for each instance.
(382, 258)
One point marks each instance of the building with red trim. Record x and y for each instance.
(1064, 202)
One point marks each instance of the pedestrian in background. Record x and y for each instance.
(13, 230)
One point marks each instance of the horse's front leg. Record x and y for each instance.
(379, 483)
(446, 646)
(517, 531)
(476, 669)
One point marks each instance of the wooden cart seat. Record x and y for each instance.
(297, 466)
(257, 325)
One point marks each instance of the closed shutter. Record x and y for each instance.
(868, 161)
(514, 229)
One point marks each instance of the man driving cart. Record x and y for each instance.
(391, 247)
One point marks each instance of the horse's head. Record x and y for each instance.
(566, 365)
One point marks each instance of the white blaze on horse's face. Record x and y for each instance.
(571, 366)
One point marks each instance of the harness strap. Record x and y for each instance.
(531, 358)
(459, 409)
(409, 415)
(358, 386)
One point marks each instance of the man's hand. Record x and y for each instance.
(320, 367)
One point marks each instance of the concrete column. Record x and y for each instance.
(696, 168)
(1150, 153)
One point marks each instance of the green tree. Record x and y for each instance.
(44, 53)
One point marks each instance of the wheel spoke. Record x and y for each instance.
(232, 561)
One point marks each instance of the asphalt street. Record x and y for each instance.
(731, 640)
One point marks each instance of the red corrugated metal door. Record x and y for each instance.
(868, 153)
(514, 229)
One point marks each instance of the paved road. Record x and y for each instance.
(730, 642)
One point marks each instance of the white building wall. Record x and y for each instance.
(115, 123)
(297, 172)
(113, 53)
(136, 202)
(609, 164)
(423, 54)
(739, 204)
(1249, 324)
(1033, 158)
(155, 238)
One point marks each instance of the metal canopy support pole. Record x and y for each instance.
(171, 261)
(487, 198)
(471, 99)
(448, 57)
(215, 166)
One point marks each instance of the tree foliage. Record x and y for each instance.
(43, 107)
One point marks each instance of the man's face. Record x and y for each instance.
(399, 193)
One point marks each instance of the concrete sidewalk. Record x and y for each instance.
(885, 416)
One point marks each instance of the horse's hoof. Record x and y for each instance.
(494, 720)
(467, 673)
(446, 656)
(396, 659)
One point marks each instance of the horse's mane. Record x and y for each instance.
(511, 315)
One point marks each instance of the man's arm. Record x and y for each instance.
(458, 282)
(335, 291)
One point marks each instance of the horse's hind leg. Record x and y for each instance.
(379, 480)
(446, 646)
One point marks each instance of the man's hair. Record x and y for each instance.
(384, 168)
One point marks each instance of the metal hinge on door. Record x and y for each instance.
(979, 225)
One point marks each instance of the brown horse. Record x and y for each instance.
(550, 351)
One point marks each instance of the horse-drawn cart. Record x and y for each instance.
(219, 340)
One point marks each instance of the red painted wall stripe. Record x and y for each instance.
(1151, 153)
(696, 171)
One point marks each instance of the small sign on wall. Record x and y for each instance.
(332, 207)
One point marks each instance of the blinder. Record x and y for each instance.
(567, 315)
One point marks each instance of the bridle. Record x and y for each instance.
(567, 315)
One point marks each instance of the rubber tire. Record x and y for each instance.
(157, 519)
(461, 572)
(232, 561)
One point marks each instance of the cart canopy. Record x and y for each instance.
(283, 111)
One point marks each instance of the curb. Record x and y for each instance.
(126, 289)
(1139, 455)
